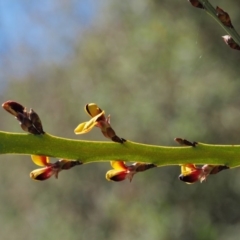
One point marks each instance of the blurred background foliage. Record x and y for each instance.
(161, 69)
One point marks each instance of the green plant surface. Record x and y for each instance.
(96, 151)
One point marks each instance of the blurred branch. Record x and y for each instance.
(93, 151)
(222, 19)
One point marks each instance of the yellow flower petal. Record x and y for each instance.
(118, 165)
(92, 109)
(85, 127)
(187, 168)
(40, 160)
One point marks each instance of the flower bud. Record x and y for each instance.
(116, 176)
(42, 174)
(192, 177)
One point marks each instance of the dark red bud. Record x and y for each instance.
(42, 174)
(119, 177)
(192, 177)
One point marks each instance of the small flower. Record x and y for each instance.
(191, 174)
(121, 171)
(42, 173)
(50, 169)
(29, 121)
(98, 120)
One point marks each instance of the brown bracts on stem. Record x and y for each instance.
(230, 42)
(196, 3)
(29, 121)
(224, 17)
(185, 142)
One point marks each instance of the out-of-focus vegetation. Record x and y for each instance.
(161, 69)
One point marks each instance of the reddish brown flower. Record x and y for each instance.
(29, 121)
(191, 174)
(121, 171)
(50, 169)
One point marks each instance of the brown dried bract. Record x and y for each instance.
(29, 121)
(224, 17)
(230, 42)
(185, 142)
(144, 166)
(218, 168)
(196, 3)
(33, 116)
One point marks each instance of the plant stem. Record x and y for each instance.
(93, 151)
(213, 13)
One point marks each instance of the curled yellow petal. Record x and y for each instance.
(85, 127)
(92, 109)
(40, 160)
(118, 165)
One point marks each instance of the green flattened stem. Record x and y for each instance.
(91, 151)
(214, 14)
